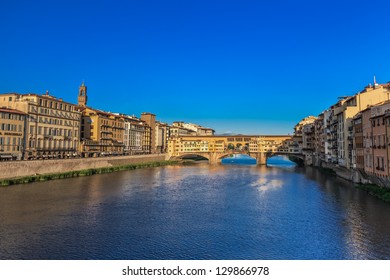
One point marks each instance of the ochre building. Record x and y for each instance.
(102, 133)
(52, 125)
(12, 126)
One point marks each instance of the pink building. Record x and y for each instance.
(375, 126)
(379, 139)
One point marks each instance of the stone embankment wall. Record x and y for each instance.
(357, 176)
(13, 169)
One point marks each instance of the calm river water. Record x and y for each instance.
(194, 212)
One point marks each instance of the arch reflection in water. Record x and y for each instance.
(239, 159)
(281, 161)
(198, 211)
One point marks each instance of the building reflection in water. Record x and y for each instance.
(366, 231)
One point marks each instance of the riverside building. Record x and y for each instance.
(335, 128)
(181, 128)
(149, 140)
(102, 133)
(52, 128)
(343, 113)
(136, 136)
(353, 135)
(162, 137)
(371, 135)
(12, 133)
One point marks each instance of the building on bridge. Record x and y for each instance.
(214, 148)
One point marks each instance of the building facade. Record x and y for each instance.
(102, 133)
(358, 143)
(52, 125)
(162, 137)
(182, 128)
(136, 136)
(150, 133)
(380, 145)
(12, 134)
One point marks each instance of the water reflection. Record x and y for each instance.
(281, 162)
(363, 224)
(264, 184)
(194, 212)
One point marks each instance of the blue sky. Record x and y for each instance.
(253, 67)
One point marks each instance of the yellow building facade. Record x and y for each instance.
(12, 133)
(102, 133)
(52, 125)
(198, 145)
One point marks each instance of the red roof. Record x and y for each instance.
(13, 111)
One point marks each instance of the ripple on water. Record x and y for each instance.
(194, 212)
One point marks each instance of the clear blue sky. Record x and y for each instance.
(254, 67)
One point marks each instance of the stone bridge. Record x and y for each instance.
(215, 148)
(216, 157)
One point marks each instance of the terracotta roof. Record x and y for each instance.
(13, 111)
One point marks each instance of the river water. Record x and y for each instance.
(194, 212)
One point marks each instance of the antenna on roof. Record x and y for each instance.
(375, 84)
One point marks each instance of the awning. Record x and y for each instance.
(5, 156)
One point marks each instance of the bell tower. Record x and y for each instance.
(82, 99)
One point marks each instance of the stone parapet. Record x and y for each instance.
(14, 169)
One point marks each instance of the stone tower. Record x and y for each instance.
(150, 120)
(82, 99)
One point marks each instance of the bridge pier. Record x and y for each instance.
(214, 158)
(261, 158)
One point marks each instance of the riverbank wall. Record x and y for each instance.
(356, 176)
(15, 169)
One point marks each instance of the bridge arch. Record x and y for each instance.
(192, 155)
(228, 154)
(299, 159)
